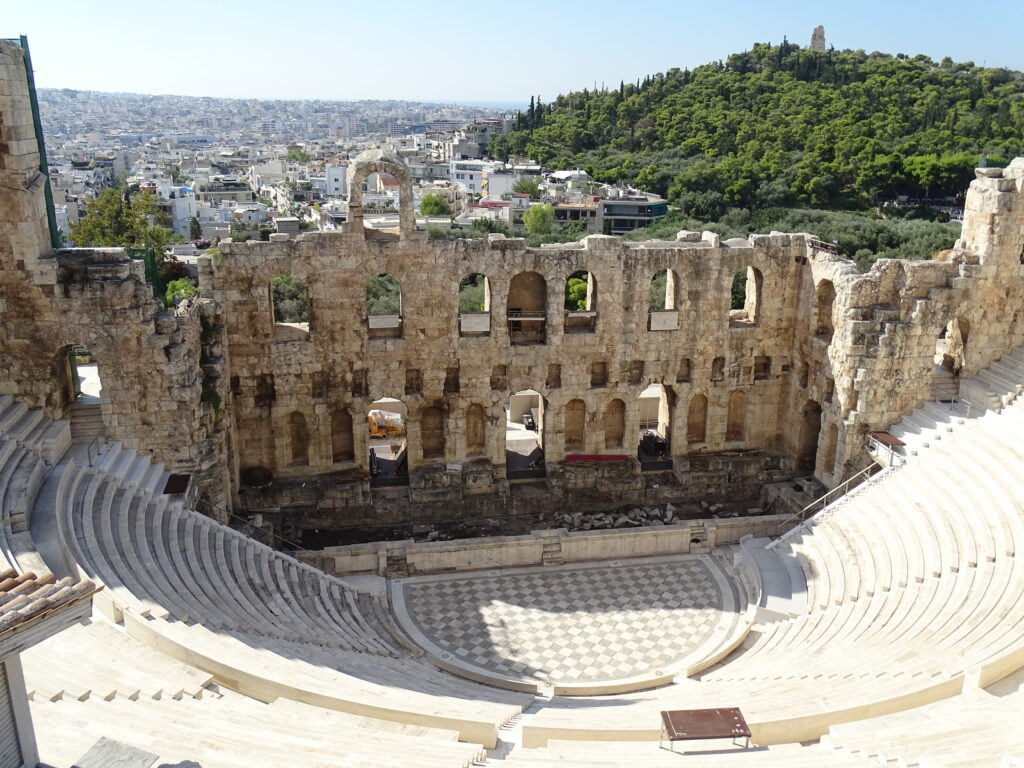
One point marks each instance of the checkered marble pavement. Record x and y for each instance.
(570, 624)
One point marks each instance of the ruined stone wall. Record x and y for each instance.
(819, 355)
(149, 359)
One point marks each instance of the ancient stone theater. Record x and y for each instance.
(663, 526)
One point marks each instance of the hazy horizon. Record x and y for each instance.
(348, 51)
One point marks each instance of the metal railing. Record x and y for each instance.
(833, 495)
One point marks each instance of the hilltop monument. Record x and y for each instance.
(818, 38)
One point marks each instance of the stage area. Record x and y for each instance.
(570, 624)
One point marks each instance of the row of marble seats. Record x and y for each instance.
(181, 572)
(975, 728)
(225, 730)
(698, 754)
(403, 690)
(100, 660)
(920, 634)
(31, 429)
(171, 561)
(21, 473)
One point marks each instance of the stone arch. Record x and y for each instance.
(372, 161)
(342, 440)
(432, 432)
(527, 308)
(476, 430)
(736, 418)
(614, 423)
(810, 429)
(663, 291)
(580, 305)
(746, 293)
(386, 420)
(298, 438)
(575, 425)
(384, 306)
(581, 292)
(697, 419)
(824, 299)
(290, 310)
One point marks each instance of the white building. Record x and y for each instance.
(337, 180)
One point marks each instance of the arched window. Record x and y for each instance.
(432, 432)
(527, 308)
(745, 298)
(697, 419)
(289, 298)
(575, 419)
(476, 430)
(736, 421)
(474, 305)
(614, 423)
(384, 307)
(662, 302)
(580, 302)
(824, 299)
(298, 435)
(342, 447)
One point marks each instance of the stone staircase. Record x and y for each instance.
(86, 421)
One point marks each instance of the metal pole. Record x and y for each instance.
(37, 124)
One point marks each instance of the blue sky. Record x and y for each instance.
(469, 52)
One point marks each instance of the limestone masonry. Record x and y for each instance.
(272, 416)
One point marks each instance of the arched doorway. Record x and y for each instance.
(810, 428)
(84, 392)
(524, 435)
(653, 448)
(386, 427)
(697, 419)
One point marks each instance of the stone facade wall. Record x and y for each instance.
(819, 355)
(149, 359)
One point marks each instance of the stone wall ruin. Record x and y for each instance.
(272, 416)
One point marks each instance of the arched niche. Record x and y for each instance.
(614, 423)
(824, 299)
(655, 408)
(342, 440)
(575, 423)
(372, 161)
(697, 419)
(298, 438)
(432, 432)
(476, 430)
(810, 428)
(527, 308)
(736, 418)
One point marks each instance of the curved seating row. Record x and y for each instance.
(914, 585)
(225, 730)
(257, 619)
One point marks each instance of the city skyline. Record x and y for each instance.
(235, 50)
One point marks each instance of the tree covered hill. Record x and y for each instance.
(783, 126)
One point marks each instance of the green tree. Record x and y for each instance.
(297, 155)
(528, 185)
(471, 293)
(434, 205)
(195, 229)
(178, 290)
(128, 219)
(538, 219)
(575, 294)
(383, 296)
(290, 299)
